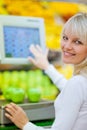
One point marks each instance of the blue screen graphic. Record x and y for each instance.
(18, 40)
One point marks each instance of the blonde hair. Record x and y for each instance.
(78, 26)
(81, 68)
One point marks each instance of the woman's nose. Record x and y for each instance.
(68, 45)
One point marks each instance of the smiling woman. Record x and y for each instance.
(74, 42)
(73, 46)
(71, 104)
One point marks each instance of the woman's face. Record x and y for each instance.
(74, 50)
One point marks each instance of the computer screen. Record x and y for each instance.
(17, 34)
(18, 39)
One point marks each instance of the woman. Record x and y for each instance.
(71, 104)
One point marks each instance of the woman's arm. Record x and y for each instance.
(40, 60)
(58, 79)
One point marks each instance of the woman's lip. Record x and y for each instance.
(68, 54)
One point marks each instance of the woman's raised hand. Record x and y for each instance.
(40, 58)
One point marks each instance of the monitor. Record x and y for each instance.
(17, 33)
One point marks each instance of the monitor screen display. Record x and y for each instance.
(17, 41)
(17, 33)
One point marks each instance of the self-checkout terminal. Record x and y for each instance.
(16, 35)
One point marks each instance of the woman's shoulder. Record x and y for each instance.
(79, 84)
(79, 78)
(78, 81)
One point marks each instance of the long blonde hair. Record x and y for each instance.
(81, 68)
(78, 26)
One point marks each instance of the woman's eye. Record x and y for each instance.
(78, 42)
(65, 38)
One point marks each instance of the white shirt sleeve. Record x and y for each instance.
(31, 126)
(58, 79)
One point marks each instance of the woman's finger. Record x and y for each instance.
(39, 48)
(10, 109)
(9, 116)
(14, 106)
(34, 51)
(32, 60)
(47, 50)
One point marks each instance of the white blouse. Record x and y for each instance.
(70, 105)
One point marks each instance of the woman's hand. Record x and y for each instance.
(40, 58)
(16, 115)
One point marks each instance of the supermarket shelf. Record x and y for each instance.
(42, 110)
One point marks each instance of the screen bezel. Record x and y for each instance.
(19, 21)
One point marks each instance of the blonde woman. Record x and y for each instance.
(71, 105)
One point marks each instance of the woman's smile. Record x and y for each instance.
(68, 54)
